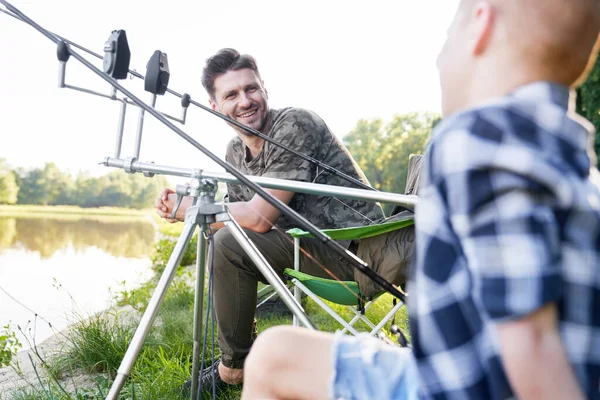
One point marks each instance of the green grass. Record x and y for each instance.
(167, 228)
(97, 344)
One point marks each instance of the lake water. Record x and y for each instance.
(66, 267)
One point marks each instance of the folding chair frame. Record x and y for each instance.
(299, 287)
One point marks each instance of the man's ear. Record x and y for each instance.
(481, 26)
(213, 105)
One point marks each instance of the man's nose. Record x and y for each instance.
(244, 100)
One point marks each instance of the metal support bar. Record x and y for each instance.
(358, 316)
(384, 321)
(198, 306)
(88, 91)
(121, 129)
(180, 120)
(138, 136)
(270, 275)
(297, 294)
(62, 67)
(409, 201)
(324, 306)
(148, 317)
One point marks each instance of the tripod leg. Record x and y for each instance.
(198, 307)
(146, 322)
(268, 272)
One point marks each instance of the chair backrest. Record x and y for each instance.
(414, 172)
(412, 180)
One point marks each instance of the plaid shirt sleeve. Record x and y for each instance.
(500, 205)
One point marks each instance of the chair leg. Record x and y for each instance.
(269, 297)
(358, 316)
(297, 293)
(384, 320)
(324, 306)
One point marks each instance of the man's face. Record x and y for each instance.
(241, 96)
(453, 64)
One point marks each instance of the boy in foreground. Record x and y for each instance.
(505, 288)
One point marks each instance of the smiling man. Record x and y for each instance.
(236, 89)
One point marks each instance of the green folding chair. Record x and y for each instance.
(346, 293)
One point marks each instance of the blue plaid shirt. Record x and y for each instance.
(508, 221)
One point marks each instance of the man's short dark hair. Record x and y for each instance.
(225, 60)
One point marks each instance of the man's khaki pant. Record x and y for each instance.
(236, 280)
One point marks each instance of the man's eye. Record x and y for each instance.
(252, 89)
(230, 96)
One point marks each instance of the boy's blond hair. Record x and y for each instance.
(559, 37)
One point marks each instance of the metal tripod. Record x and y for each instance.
(203, 212)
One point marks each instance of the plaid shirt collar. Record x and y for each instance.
(539, 92)
(536, 93)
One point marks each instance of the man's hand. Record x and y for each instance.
(165, 203)
(534, 358)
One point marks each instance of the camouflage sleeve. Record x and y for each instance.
(230, 196)
(301, 131)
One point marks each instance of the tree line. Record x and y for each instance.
(50, 186)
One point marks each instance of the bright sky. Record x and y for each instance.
(345, 60)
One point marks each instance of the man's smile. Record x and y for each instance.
(247, 114)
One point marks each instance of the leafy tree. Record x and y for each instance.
(46, 186)
(31, 190)
(382, 151)
(366, 143)
(8, 184)
(588, 101)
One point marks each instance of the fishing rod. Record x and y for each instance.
(186, 100)
(64, 52)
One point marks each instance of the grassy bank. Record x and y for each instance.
(85, 366)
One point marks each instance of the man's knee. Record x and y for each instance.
(223, 237)
(226, 248)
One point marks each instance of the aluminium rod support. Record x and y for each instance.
(409, 201)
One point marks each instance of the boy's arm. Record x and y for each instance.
(534, 358)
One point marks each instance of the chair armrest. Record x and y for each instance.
(358, 232)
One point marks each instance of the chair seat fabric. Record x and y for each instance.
(339, 292)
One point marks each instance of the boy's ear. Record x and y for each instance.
(590, 65)
(481, 26)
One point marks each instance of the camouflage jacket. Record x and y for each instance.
(307, 133)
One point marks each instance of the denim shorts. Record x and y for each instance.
(368, 368)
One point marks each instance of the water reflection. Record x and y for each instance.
(131, 238)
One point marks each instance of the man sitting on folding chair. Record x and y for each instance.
(236, 89)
